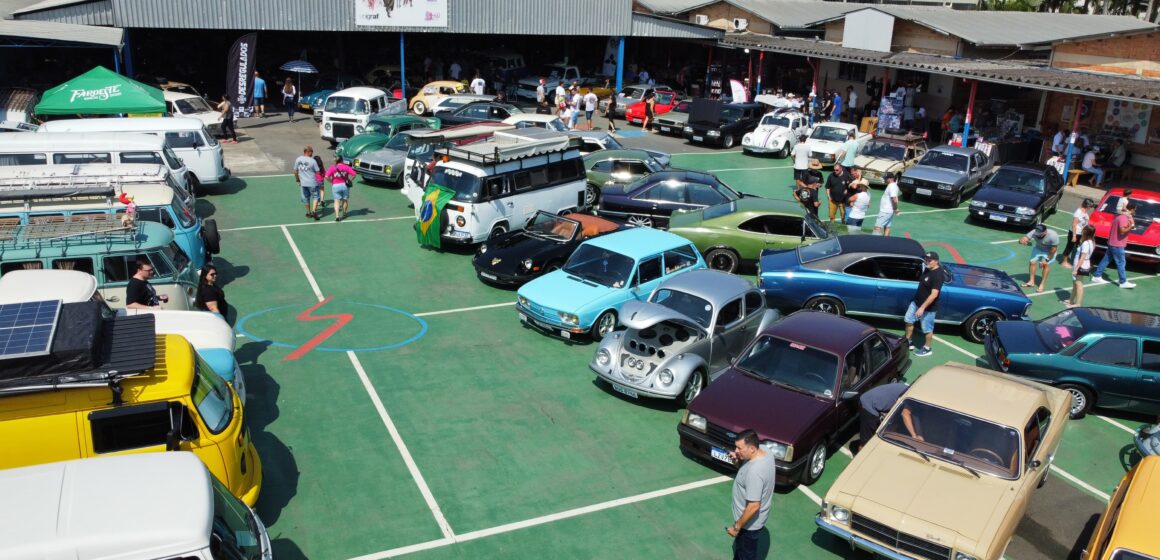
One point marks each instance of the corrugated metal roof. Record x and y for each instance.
(670, 7)
(1029, 75)
(46, 4)
(52, 32)
(794, 14)
(644, 25)
(80, 12)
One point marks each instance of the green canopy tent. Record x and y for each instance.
(101, 91)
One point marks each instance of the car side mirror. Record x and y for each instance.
(848, 395)
(1034, 464)
(172, 440)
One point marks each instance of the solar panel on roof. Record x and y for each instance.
(26, 329)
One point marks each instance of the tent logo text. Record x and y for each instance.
(101, 94)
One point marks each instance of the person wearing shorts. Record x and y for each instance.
(1082, 265)
(1044, 244)
(306, 173)
(341, 177)
(801, 161)
(887, 206)
(924, 306)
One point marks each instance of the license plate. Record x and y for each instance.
(721, 455)
(666, 129)
(488, 276)
(523, 318)
(698, 138)
(923, 192)
(565, 334)
(998, 218)
(625, 391)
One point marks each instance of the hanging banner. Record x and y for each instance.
(240, 75)
(608, 68)
(1128, 120)
(400, 13)
(738, 90)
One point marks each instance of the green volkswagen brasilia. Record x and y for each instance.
(379, 131)
(735, 233)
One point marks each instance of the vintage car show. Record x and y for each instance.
(646, 279)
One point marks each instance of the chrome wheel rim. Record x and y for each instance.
(638, 221)
(817, 462)
(825, 306)
(1078, 400)
(606, 324)
(419, 108)
(723, 261)
(984, 326)
(590, 195)
(693, 388)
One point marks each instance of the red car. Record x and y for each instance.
(666, 100)
(1144, 238)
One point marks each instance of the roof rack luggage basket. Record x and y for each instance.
(508, 152)
(66, 231)
(73, 180)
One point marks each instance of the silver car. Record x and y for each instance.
(384, 164)
(691, 326)
(947, 173)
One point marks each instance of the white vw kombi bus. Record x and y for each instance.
(346, 112)
(68, 148)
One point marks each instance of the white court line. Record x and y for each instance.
(263, 176)
(247, 228)
(444, 527)
(509, 527)
(1116, 424)
(1091, 284)
(461, 309)
(1004, 241)
(706, 153)
(810, 494)
(749, 168)
(956, 347)
(905, 212)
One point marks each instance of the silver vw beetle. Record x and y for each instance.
(691, 326)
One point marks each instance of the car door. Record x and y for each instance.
(659, 200)
(1111, 365)
(861, 289)
(649, 274)
(1052, 188)
(896, 284)
(978, 171)
(1148, 395)
(855, 376)
(728, 340)
(500, 205)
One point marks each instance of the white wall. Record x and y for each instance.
(868, 29)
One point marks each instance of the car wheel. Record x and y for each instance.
(815, 465)
(419, 108)
(639, 221)
(213, 239)
(194, 185)
(1081, 400)
(981, 324)
(957, 199)
(604, 324)
(693, 387)
(783, 152)
(727, 142)
(725, 260)
(825, 304)
(591, 195)
(497, 231)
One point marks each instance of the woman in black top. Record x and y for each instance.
(210, 296)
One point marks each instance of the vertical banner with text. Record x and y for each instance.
(240, 75)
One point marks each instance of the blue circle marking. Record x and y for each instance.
(426, 211)
(241, 329)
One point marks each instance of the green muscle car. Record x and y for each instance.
(736, 233)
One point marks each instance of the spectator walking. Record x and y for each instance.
(801, 161)
(851, 105)
(1082, 266)
(807, 194)
(1079, 220)
(1057, 141)
(1090, 165)
(341, 178)
(752, 495)
(478, 84)
(210, 296)
(259, 94)
(229, 133)
(455, 70)
(561, 99)
(1045, 243)
(836, 185)
(859, 205)
(924, 306)
(541, 92)
(837, 107)
(649, 106)
(1122, 224)
(289, 97)
(306, 173)
(610, 112)
(590, 102)
(320, 179)
(872, 406)
(888, 206)
(848, 153)
(139, 294)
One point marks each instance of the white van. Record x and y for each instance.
(188, 138)
(145, 506)
(193, 107)
(63, 148)
(500, 184)
(346, 112)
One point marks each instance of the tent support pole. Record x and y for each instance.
(127, 55)
(402, 71)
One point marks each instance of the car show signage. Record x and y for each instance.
(400, 13)
(240, 75)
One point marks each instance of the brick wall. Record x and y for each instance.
(914, 37)
(1137, 55)
(721, 16)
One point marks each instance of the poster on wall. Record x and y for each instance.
(1085, 111)
(890, 113)
(400, 13)
(1128, 120)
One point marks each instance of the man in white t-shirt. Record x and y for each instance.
(1089, 164)
(478, 84)
(1057, 142)
(590, 101)
(852, 104)
(455, 70)
(887, 206)
(801, 161)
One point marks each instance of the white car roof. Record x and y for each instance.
(201, 328)
(359, 93)
(68, 141)
(69, 286)
(530, 117)
(136, 124)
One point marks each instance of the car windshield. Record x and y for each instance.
(689, 305)
(730, 114)
(665, 97)
(212, 398)
(1060, 330)
(954, 162)
(397, 142)
(682, 107)
(819, 250)
(467, 187)
(829, 133)
(792, 365)
(1146, 210)
(348, 105)
(977, 445)
(770, 120)
(551, 226)
(885, 150)
(234, 524)
(379, 126)
(632, 93)
(1017, 180)
(611, 143)
(552, 71)
(603, 266)
(192, 105)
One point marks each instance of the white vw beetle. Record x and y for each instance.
(776, 134)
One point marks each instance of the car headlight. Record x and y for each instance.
(943, 187)
(522, 300)
(528, 264)
(460, 221)
(961, 556)
(906, 181)
(326, 126)
(688, 129)
(665, 377)
(696, 421)
(1158, 250)
(1025, 211)
(386, 169)
(358, 130)
(714, 133)
(569, 318)
(838, 513)
(355, 163)
(745, 139)
(603, 357)
(780, 451)
(978, 204)
(483, 249)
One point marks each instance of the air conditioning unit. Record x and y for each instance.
(740, 24)
(701, 19)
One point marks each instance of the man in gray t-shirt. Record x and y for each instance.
(752, 495)
(306, 172)
(1045, 243)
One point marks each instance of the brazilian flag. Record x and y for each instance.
(431, 207)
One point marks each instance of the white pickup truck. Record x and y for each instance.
(552, 74)
(827, 140)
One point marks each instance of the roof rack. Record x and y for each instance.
(32, 181)
(64, 231)
(512, 146)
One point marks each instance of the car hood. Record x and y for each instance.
(384, 156)
(936, 174)
(737, 401)
(1008, 197)
(352, 146)
(902, 490)
(1019, 337)
(983, 278)
(674, 118)
(824, 146)
(881, 165)
(642, 315)
(516, 246)
(561, 291)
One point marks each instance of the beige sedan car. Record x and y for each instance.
(889, 153)
(951, 470)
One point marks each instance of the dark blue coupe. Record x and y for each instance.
(650, 200)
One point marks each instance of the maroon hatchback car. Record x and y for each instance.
(797, 385)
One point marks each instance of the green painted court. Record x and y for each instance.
(433, 425)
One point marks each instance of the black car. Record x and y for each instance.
(543, 246)
(479, 111)
(716, 123)
(650, 200)
(1018, 193)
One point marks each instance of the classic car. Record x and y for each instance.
(1108, 358)
(950, 472)
(673, 122)
(691, 325)
(878, 276)
(320, 87)
(193, 107)
(509, 64)
(535, 120)
(665, 101)
(616, 167)
(735, 233)
(553, 74)
(379, 130)
(650, 200)
(430, 94)
(797, 385)
(1144, 237)
(1127, 528)
(947, 173)
(828, 138)
(889, 153)
(479, 111)
(586, 295)
(453, 102)
(630, 95)
(1018, 193)
(543, 246)
(734, 120)
(777, 133)
(384, 164)
(1148, 439)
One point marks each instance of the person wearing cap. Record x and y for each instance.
(1079, 220)
(1089, 164)
(924, 306)
(887, 205)
(1046, 243)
